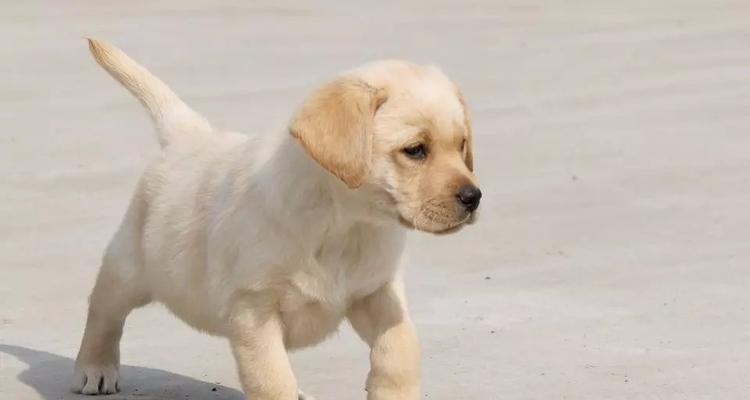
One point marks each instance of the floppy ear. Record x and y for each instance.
(469, 157)
(334, 126)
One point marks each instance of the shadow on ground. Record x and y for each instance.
(49, 374)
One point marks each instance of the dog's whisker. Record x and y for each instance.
(417, 218)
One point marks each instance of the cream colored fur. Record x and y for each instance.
(265, 241)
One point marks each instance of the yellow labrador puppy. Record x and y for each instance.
(273, 241)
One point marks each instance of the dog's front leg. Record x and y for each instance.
(382, 320)
(257, 340)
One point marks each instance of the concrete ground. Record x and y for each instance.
(612, 259)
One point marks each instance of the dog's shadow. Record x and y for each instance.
(50, 374)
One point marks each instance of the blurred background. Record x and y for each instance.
(611, 259)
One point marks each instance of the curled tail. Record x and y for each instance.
(172, 117)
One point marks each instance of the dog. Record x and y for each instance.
(272, 241)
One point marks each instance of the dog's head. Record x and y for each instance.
(402, 129)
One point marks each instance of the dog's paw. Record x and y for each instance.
(96, 380)
(302, 396)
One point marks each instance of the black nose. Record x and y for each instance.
(469, 197)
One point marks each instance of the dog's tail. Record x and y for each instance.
(170, 114)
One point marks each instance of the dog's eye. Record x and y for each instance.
(416, 152)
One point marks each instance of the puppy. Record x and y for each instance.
(273, 241)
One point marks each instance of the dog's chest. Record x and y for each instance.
(344, 268)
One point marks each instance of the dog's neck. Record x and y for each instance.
(301, 188)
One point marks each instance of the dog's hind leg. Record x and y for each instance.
(120, 287)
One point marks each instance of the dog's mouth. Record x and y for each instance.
(434, 215)
(434, 221)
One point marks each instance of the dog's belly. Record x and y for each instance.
(306, 320)
(196, 313)
(310, 324)
(311, 307)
